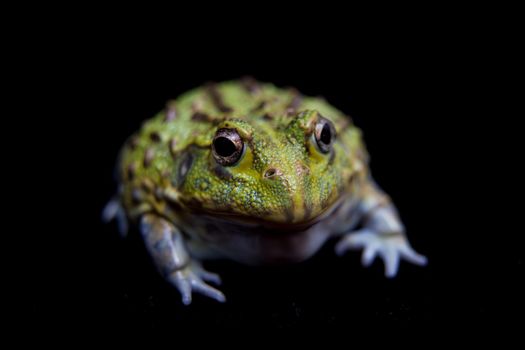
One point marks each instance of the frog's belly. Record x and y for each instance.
(258, 245)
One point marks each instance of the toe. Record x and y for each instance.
(412, 256)
(391, 260)
(369, 254)
(183, 285)
(342, 247)
(356, 240)
(205, 275)
(211, 277)
(202, 288)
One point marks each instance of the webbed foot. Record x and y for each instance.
(390, 247)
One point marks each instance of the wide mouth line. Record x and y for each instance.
(254, 222)
(261, 223)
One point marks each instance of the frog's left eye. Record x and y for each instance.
(227, 146)
(324, 134)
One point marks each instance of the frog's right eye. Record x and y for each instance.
(324, 135)
(227, 147)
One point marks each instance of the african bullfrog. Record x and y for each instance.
(255, 173)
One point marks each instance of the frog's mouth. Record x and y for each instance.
(268, 226)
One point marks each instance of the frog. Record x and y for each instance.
(255, 173)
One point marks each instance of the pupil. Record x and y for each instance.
(224, 147)
(326, 135)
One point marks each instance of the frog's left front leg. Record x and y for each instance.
(382, 233)
(166, 246)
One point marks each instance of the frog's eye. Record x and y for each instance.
(227, 147)
(324, 135)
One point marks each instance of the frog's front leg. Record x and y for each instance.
(382, 233)
(165, 244)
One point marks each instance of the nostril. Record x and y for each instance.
(272, 173)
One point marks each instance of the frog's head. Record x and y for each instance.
(286, 173)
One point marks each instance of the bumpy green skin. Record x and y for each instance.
(168, 167)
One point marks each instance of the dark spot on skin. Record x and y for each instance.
(132, 169)
(148, 157)
(351, 178)
(133, 142)
(155, 136)
(221, 172)
(289, 213)
(171, 114)
(307, 210)
(217, 99)
(259, 106)
(250, 85)
(184, 167)
(173, 204)
(324, 202)
(201, 117)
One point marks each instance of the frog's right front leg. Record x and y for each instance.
(165, 244)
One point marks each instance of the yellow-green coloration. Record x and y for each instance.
(168, 167)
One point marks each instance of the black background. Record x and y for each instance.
(407, 91)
